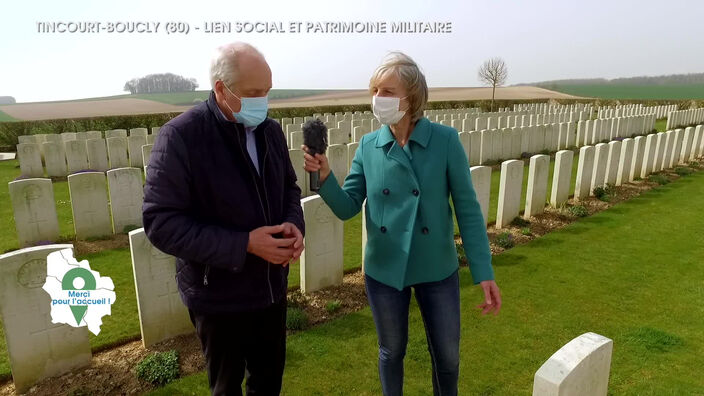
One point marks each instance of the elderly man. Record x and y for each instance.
(221, 196)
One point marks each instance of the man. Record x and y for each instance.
(221, 196)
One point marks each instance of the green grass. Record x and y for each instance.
(4, 117)
(608, 91)
(631, 273)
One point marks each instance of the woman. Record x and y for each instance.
(407, 171)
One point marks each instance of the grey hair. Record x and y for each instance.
(224, 66)
(410, 75)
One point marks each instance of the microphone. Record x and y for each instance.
(315, 137)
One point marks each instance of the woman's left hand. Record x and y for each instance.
(492, 298)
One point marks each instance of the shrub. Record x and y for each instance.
(158, 368)
(461, 256)
(505, 240)
(520, 222)
(682, 171)
(578, 211)
(659, 179)
(333, 306)
(296, 319)
(526, 231)
(601, 194)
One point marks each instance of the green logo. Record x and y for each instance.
(67, 283)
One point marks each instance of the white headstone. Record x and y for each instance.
(649, 155)
(585, 168)
(138, 132)
(302, 177)
(116, 133)
(510, 190)
(561, 178)
(322, 260)
(625, 161)
(34, 210)
(134, 145)
(94, 135)
(537, 188)
(89, 202)
(337, 158)
(612, 162)
(76, 155)
(37, 348)
(97, 155)
(117, 152)
(601, 158)
(146, 153)
(162, 314)
(30, 158)
(55, 159)
(580, 368)
(481, 181)
(126, 198)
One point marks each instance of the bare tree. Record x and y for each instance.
(493, 72)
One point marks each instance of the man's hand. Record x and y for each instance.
(317, 163)
(492, 298)
(291, 231)
(275, 250)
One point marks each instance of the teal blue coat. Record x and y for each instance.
(410, 232)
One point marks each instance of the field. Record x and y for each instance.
(178, 102)
(643, 92)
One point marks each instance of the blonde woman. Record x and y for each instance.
(407, 170)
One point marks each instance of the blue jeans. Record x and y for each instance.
(439, 304)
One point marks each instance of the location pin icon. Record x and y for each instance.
(88, 284)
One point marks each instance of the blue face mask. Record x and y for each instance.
(253, 110)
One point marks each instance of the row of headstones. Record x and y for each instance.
(551, 108)
(634, 109)
(614, 163)
(63, 157)
(39, 349)
(341, 130)
(676, 119)
(94, 215)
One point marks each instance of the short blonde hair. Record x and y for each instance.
(410, 75)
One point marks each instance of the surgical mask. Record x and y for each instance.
(386, 109)
(253, 110)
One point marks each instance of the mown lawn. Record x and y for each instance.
(632, 273)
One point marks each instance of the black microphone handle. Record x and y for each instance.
(314, 180)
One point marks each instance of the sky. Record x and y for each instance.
(539, 40)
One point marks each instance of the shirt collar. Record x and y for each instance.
(420, 134)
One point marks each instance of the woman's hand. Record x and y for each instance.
(492, 298)
(317, 163)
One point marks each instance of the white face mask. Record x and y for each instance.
(386, 109)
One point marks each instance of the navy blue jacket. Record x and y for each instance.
(202, 198)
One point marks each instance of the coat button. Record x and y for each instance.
(386, 191)
(425, 230)
(416, 192)
(383, 230)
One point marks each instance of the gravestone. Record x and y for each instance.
(302, 177)
(76, 155)
(601, 157)
(89, 202)
(126, 198)
(510, 190)
(337, 136)
(138, 132)
(134, 146)
(36, 347)
(97, 155)
(580, 368)
(625, 161)
(146, 154)
(321, 260)
(30, 158)
(561, 178)
(55, 159)
(481, 181)
(116, 133)
(648, 155)
(117, 152)
(638, 149)
(337, 158)
(351, 151)
(612, 162)
(94, 135)
(585, 168)
(162, 314)
(537, 188)
(34, 210)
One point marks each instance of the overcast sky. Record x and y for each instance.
(539, 39)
